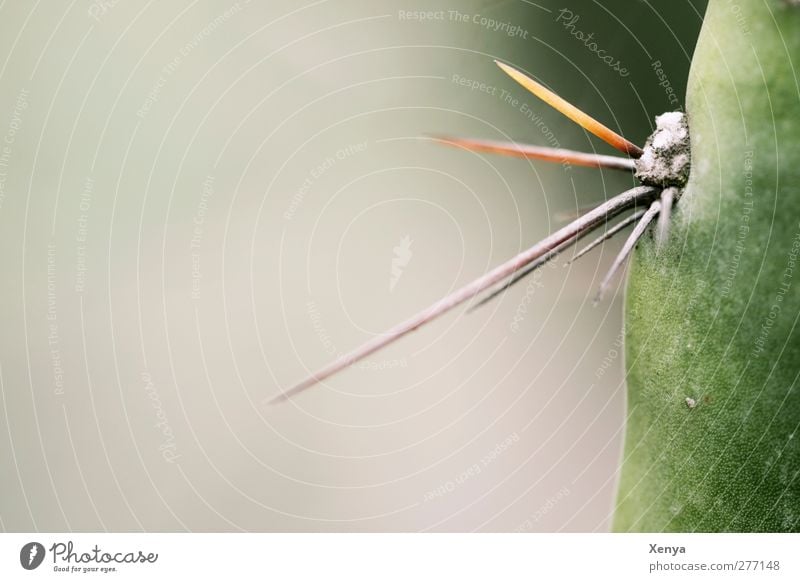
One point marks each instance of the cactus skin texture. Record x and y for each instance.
(713, 319)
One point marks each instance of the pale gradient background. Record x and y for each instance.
(132, 402)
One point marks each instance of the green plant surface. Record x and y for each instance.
(713, 319)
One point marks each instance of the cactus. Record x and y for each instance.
(712, 334)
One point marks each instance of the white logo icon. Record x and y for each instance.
(402, 256)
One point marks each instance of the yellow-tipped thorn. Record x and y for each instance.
(585, 121)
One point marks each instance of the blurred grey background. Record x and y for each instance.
(202, 201)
